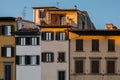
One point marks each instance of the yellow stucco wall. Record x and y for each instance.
(7, 40)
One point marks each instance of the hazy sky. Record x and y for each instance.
(100, 11)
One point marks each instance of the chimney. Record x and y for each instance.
(75, 7)
(110, 27)
(19, 18)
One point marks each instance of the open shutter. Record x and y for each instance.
(38, 42)
(12, 51)
(37, 60)
(52, 35)
(17, 60)
(43, 57)
(3, 52)
(27, 60)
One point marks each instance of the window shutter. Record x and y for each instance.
(18, 41)
(52, 57)
(3, 30)
(43, 57)
(17, 60)
(43, 35)
(27, 60)
(66, 36)
(12, 29)
(37, 60)
(3, 52)
(0, 30)
(57, 35)
(38, 42)
(52, 35)
(12, 51)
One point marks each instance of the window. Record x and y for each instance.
(47, 35)
(27, 60)
(95, 45)
(94, 66)
(110, 67)
(61, 36)
(61, 57)
(79, 45)
(34, 60)
(61, 75)
(111, 45)
(58, 19)
(7, 29)
(79, 66)
(7, 51)
(42, 14)
(27, 40)
(20, 60)
(47, 57)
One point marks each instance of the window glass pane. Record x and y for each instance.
(61, 75)
(79, 66)
(79, 45)
(95, 66)
(8, 54)
(33, 60)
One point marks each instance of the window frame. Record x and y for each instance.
(93, 68)
(111, 45)
(79, 45)
(95, 45)
(61, 57)
(81, 71)
(48, 35)
(48, 57)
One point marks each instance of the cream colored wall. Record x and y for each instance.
(87, 53)
(69, 15)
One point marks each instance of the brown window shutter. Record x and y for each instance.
(43, 57)
(3, 51)
(12, 51)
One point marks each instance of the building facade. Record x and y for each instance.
(55, 24)
(28, 51)
(95, 55)
(7, 48)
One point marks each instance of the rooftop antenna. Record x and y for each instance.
(57, 4)
(24, 12)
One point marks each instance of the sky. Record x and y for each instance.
(101, 12)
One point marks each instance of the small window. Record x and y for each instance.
(95, 45)
(79, 45)
(95, 66)
(79, 67)
(111, 45)
(20, 60)
(61, 57)
(61, 36)
(61, 75)
(7, 29)
(47, 35)
(7, 51)
(110, 67)
(47, 57)
(42, 14)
